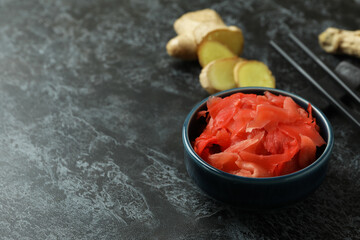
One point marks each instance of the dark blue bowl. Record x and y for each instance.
(256, 193)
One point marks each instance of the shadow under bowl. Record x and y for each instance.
(255, 193)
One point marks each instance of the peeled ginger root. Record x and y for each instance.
(227, 73)
(193, 27)
(339, 41)
(253, 74)
(209, 51)
(218, 75)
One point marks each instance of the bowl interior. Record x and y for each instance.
(195, 125)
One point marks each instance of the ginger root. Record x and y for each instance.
(218, 75)
(253, 73)
(193, 27)
(204, 36)
(339, 41)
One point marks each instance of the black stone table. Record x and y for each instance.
(91, 110)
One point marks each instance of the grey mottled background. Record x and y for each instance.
(91, 110)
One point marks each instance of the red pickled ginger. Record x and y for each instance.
(258, 135)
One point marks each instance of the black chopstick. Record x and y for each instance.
(323, 65)
(313, 82)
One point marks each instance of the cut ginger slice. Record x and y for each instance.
(209, 51)
(231, 37)
(253, 73)
(218, 75)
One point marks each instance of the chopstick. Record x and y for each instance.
(322, 64)
(313, 82)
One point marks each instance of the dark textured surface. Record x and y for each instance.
(91, 115)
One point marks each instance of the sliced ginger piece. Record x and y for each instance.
(231, 37)
(218, 75)
(253, 74)
(201, 31)
(209, 51)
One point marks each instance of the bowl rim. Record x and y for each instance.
(203, 164)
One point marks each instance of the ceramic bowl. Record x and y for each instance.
(256, 193)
